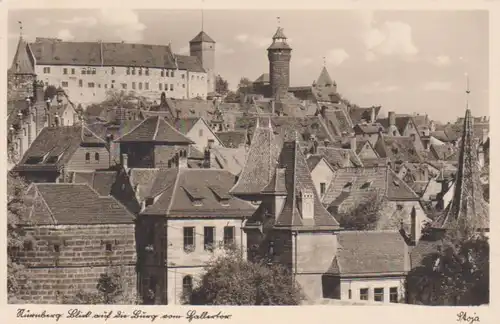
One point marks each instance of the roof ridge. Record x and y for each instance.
(157, 127)
(133, 129)
(47, 205)
(98, 137)
(176, 183)
(171, 126)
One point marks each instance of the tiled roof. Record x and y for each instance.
(188, 108)
(100, 181)
(340, 157)
(368, 128)
(155, 129)
(56, 52)
(359, 114)
(427, 246)
(355, 183)
(324, 78)
(54, 147)
(260, 162)
(313, 160)
(369, 252)
(468, 204)
(337, 121)
(443, 152)
(199, 193)
(184, 125)
(233, 139)
(54, 204)
(230, 159)
(202, 37)
(23, 59)
(264, 78)
(397, 148)
(279, 33)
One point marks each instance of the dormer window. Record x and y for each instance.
(366, 185)
(222, 196)
(149, 201)
(195, 195)
(347, 186)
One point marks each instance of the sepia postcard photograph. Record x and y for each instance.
(241, 157)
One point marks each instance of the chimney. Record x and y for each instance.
(39, 92)
(125, 161)
(392, 118)
(415, 227)
(372, 117)
(315, 147)
(353, 143)
(306, 203)
(182, 160)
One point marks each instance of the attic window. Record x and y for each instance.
(396, 183)
(366, 185)
(347, 186)
(195, 195)
(34, 160)
(149, 201)
(221, 194)
(52, 159)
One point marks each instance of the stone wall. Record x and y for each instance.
(64, 259)
(279, 72)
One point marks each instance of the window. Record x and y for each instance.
(183, 76)
(87, 157)
(133, 71)
(146, 85)
(64, 84)
(72, 71)
(350, 294)
(140, 85)
(183, 85)
(209, 238)
(379, 294)
(189, 238)
(57, 248)
(172, 74)
(140, 72)
(91, 85)
(65, 71)
(113, 71)
(165, 87)
(133, 85)
(96, 156)
(94, 71)
(363, 294)
(80, 83)
(159, 87)
(146, 72)
(105, 86)
(228, 235)
(128, 71)
(109, 247)
(322, 188)
(162, 73)
(187, 287)
(46, 70)
(84, 71)
(124, 86)
(200, 132)
(393, 294)
(171, 87)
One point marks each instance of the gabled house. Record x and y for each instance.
(364, 116)
(340, 157)
(61, 111)
(197, 130)
(58, 151)
(77, 235)
(402, 125)
(368, 132)
(153, 143)
(321, 173)
(398, 149)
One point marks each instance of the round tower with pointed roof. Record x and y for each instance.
(279, 54)
(21, 75)
(203, 47)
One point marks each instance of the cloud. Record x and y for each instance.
(123, 23)
(80, 21)
(442, 60)
(378, 87)
(337, 56)
(242, 38)
(437, 86)
(221, 48)
(388, 38)
(65, 35)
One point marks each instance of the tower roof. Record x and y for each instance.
(324, 78)
(279, 40)
(467, 205)
(202, 37)
(23, 60)
(279, 34)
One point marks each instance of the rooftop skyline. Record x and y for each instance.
(405, 61)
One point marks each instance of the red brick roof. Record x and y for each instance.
(369, 253)
(155, 129)
(54, 203)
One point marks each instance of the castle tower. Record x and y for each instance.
(21, 75)
(203, 47)
(279, 54)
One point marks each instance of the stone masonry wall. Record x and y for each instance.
(64, 259)
(279, 73)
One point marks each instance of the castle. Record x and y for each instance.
(87, 70)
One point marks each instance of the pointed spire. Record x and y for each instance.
(467, 205)
(324, 78)
(23, 60)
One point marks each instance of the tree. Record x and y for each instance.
(221, 85)
(111, 289)
(457, 273)
(231, 96)
(362, 215)
(17, 276)
(50, 92)
(229, 279)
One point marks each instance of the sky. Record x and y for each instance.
(405, 61)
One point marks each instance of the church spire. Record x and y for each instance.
(23, 62)
(467, 206)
